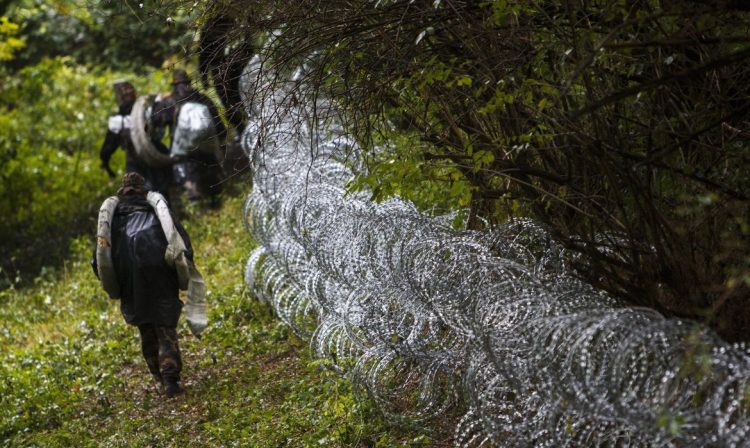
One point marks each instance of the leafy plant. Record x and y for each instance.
(101, 32)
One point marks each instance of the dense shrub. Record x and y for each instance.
(621, 125)
(122, 35)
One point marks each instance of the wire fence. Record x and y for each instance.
(491, 324)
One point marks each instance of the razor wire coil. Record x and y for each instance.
(423, 317)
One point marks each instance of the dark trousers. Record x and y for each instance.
(162, 353)
(199, 176)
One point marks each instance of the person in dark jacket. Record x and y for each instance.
(199, 174)
(118, 136)
(149, 291)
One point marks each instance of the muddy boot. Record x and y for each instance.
(172, 388)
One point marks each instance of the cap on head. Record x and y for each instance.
(180, 76)
(124, 91)
(132, 183)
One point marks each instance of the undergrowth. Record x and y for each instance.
(71, 373)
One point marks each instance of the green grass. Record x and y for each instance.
(71, 373)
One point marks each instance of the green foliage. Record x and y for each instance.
(400, 170)
(122, 35)
(72, 373)
(50, 126)
(57, 339)
(9, 43)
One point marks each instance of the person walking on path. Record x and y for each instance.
(136, 271)
(118, 135)
(198, 171)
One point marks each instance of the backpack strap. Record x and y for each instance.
(176, 248)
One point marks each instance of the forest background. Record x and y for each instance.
(622, 126)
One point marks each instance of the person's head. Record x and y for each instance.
(180, 76)
(181, 87)
(132, 184)
(124, 92)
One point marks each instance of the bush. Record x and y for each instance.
(621, 125)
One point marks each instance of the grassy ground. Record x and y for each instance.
(71, 373)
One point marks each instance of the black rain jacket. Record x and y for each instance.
(149, 292)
